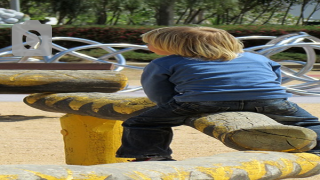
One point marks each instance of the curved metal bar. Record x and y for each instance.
(120, 59)
(310, 53)
(56, 57)
(255, 37)
(123, 51)
(6, 49)
(131, 90)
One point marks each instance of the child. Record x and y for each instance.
(205, 70)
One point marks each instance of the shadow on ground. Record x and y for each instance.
(16, 118)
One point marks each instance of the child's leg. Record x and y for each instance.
(149, 135)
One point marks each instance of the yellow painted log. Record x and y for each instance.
(102, 105)
(253, 131)
(35, 81)
(89, 140)
(242, 165)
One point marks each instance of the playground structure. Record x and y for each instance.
(92, 125)
(92, 129)
(308, 43)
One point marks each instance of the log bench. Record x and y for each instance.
(92, 130)
(27, 78)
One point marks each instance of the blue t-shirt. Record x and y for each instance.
(248, 77)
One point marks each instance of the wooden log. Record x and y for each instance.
(253, 131)
(34, 81)
(237, 130)
(228, 166)
(102, 105)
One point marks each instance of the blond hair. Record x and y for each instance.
(195, 42)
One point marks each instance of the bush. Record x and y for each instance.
(131, 34)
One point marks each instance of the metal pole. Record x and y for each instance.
(15, 5)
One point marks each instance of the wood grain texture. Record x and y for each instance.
(34, 81)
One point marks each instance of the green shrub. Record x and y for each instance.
(131, 34)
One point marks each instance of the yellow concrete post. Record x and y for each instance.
(89, 140)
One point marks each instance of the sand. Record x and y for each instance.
(32, 136)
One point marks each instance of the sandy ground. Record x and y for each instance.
(32, 136)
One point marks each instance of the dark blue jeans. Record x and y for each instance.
(149, 134)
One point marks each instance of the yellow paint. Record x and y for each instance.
(254, 168)
(90, 141)
(34, 78)
(130, 105)
(179, 174)
(97, 104)
(219, 129)
(78, 102)
(138, 176)
(35, 97)
(26, 79)
(121, 105)
(93, 176)
(8, 177)
(220, 173)
(47, 177)
(284, 165)
(56, 98)
(123, 80)
(307, 162)
(90, 176)
(201, 123)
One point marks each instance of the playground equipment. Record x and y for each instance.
(305, 84)
(92, 135)
(92, 131)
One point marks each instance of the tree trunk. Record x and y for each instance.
(101, 17)
(301, 16)
(165, 13)
(286, 14)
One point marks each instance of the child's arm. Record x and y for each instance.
(156, 84)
